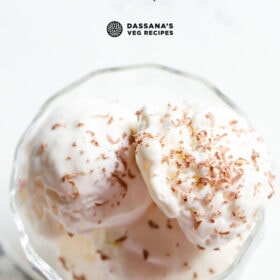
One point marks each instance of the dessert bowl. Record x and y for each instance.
(132, 87)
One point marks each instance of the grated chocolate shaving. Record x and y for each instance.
(196, 225)
(111, 119)
(122, 157)
(103, 256)
(94, 142)
(79, 277)
(111, 140)
(69, 176)
(145, 254)
(254, 157)
(121, 239)
(56, 125)
(200, 247)
(153, 225)
(130, 174)
(80, 124)
(42, 148)
(63, 262)
(120, 180)
(91, 133)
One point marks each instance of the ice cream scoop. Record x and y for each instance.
(206, 167)
(80, 171)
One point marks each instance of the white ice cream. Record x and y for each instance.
(204, 166)
(84, 206)
(80, 185)
(152, 248)
(81, 173)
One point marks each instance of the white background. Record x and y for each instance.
(45, 45)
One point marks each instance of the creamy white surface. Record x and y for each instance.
(205, 166)
(154, 247)
(79, 169)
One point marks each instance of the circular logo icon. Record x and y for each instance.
(114, 29)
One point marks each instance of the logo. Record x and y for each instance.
(136, 29)
(114, 29)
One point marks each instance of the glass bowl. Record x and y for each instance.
(132, 86)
